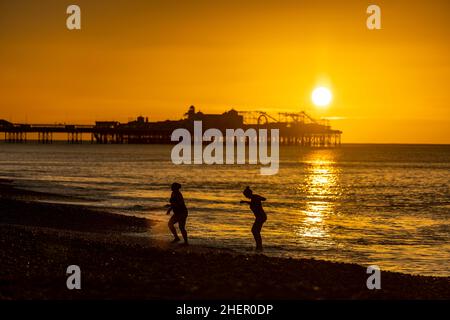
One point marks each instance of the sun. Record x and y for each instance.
(321, 96)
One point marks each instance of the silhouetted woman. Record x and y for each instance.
(256, 206)
(180, 213)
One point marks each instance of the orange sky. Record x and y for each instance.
(156, 58)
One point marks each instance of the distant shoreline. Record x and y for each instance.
(38, 241)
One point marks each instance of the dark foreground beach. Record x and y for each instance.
(39, 240)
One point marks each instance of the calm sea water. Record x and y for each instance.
(369, 204)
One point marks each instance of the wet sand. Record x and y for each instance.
(39, 240)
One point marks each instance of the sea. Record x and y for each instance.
(384, 205)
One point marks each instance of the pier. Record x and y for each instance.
(294, 128)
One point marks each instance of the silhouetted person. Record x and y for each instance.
(180, 213)
(260, 215)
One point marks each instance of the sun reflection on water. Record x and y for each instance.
(319, 190)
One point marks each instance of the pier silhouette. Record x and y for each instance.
(294, 128)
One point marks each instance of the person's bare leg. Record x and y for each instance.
(256, 230)
(171, 225)
(182, 225)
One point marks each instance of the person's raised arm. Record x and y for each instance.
(261, 198)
